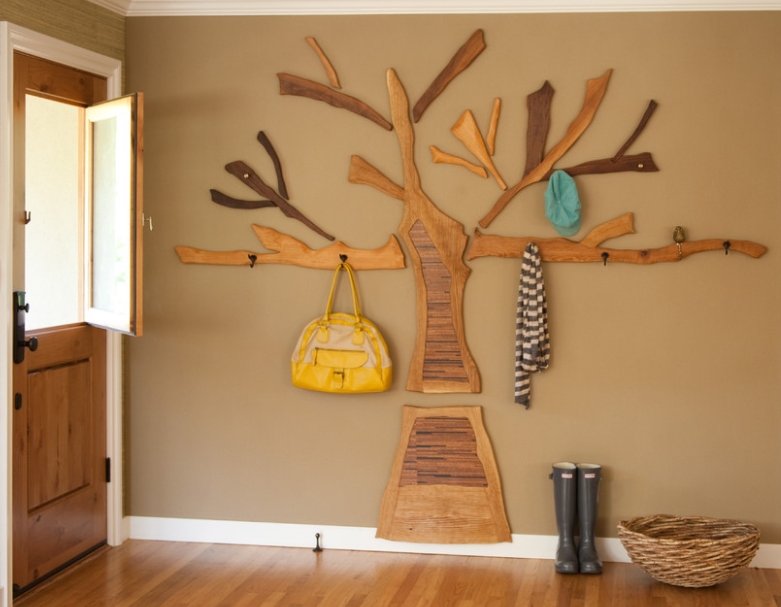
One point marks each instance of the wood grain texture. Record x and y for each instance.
(442, 451)
(588, 249)
(447, 238)
(595, 92)
(462, 512)
(493, 126)
(538, 106)
(460, 61)
(443, 364)
(301, 87)
(362, 172)
(291, 251)
(152, 573)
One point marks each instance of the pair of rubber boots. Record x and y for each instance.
(576, 489)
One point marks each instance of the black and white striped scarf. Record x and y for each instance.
(532, 347)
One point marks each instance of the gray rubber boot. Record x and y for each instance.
(589, 476)
(565, 485)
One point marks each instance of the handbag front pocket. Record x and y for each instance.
(340, 359)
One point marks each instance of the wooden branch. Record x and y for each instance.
(642, 163)
(293, 85)
(439, 156)
(468, 133)
(460, 61)
(595, 91)
(362, 172)
(538, 104)
(243, 172)
(266, 143)
(492, 128)
(639, 129)
(294, 252)
(235, 203)
(329, 69)
(588, 249)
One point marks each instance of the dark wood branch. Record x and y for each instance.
(538, 104)
(293, 85)
(235, 203)
(264, 141)
(460, 61)
(243, 172)
(642, 163)
(643, 121)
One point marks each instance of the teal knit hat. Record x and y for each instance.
(562, 205)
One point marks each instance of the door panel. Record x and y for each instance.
(59, 451)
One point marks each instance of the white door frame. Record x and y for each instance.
(15, 38)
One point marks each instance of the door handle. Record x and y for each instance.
(20, 343)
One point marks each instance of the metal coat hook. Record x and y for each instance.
(144, 219)
(28, 217)
(343, 257)
(605, 256)
(726, 244)
(252, 260)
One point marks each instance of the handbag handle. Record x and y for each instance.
(353, 288)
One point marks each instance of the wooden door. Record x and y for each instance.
(59, 418)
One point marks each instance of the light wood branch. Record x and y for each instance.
(329, 68)
(492, 128)
(438, 156)
(588, 250)
(595, 91)
(291, 251)
(467, 132)
(362, 172)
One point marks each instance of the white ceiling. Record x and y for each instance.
(138, 8)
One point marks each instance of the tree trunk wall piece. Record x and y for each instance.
(449, 241)
(455, 498)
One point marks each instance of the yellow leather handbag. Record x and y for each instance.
(340, 352)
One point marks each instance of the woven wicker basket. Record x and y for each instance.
(689, 551)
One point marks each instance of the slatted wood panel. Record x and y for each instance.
(147, 573)
(443, 361)
(443, 451)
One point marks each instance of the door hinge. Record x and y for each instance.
(108, 469)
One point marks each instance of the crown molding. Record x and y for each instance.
(144, 8)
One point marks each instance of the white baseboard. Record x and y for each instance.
(362, 538)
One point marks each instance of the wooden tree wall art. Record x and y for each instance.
(436, 242)
(444, 486)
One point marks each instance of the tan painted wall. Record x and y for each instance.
(667, 375)
(75, 21)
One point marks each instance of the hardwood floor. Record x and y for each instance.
(156, 574)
